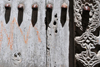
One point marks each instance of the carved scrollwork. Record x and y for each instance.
(88, 58)
(77, 13)
(93, 13)
(87, 40)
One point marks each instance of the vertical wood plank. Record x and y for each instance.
(58, 37)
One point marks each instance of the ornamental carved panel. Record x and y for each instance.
(87, 39)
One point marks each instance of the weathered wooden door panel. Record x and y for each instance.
(24, 45)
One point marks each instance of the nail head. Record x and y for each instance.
(35, 6)
(20, 6)
(64, 5)
(49, 6)
(7, 5)
(87, 8)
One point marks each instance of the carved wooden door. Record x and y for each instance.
(49, 33)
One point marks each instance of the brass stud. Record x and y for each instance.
(35, 6)
(87, 8)
(7, 5)
(20, 6)
(49, 6)
(64, 5)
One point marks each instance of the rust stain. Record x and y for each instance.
(1, 35)
(10, 36)
(97, 40)
(38, 36)
(25, 39)
(7, 36)
(39, 39)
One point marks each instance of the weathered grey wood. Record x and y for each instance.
(58, 43)
(23, 46)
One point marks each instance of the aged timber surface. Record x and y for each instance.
(29, 41)
(24, 45)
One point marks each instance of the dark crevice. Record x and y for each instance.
(34, 16)
(15, 55)
(55, 15)
(71, 36)
(7, 14)
(48, 48)
(20, 15)
(85, 20)
(48, 17)
(78, 64)
(56, 31)
(55, 23)
(96, 32)
(19, 54)
(63, 16)
(98, 65)
(78, 32)
(78, 48)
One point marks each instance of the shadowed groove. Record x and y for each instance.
(48, 15)
(63, 13)
(7, 12)
(20, 13)
(34, 14)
